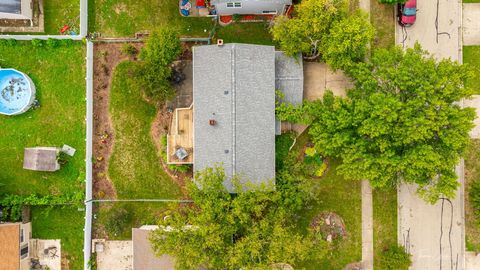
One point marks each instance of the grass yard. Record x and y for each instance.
(383, 19)
(121, 18)
(253, 33)
(334, 194)
(472, 174)
(65, 224)
(116, 220)
(59, 77)
(134, 166)
(384, 222)
(471, 57)
(57, 13)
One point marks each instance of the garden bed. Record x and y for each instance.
(472, 174)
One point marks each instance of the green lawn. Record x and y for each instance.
(471, 1)
(134, 166)
(471, 57)
(57, 13)
(65, 224)
(384, 222)
(252, 33)
(472, 173)
(343, 197)
(59, 77)
(137, 214)
(383, 19)
(121, 18)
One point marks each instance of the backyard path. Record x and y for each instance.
(433, 234)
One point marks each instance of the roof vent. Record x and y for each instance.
(212, 122)
(219, 42)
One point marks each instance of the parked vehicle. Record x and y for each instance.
(407, 13)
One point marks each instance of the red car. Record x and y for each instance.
(407, 13)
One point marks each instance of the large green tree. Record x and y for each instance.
(325, 29)
(310, 26)
(249, 230)
(402, 122)
(161, 49)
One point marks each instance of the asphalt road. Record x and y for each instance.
(433, 234)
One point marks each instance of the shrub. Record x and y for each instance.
(474, 194)
(8, 42)
(117, 221)
(395, 258)
(282, 145)
(66, 42)
(391, 1)
(37, 42)
(53, 43)
(129, 49)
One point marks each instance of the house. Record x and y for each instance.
(16, 9)
(144, 257)
(233, 110)
(251, 7)
(15, 246)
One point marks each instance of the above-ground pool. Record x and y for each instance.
(17, 92)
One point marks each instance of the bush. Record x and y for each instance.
(53, 43)
(37, 42)
(474, 194)
(8, 42)
(66, 42)
(282, 146)
(129, 49)
(395, 258)
(117, 221)
(391, 1)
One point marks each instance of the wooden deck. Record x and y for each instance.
(180, 136)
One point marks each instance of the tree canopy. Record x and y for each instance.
(402, 122)
(249, 230)
(161, 49)
(324, 28)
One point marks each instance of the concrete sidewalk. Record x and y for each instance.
(434, 234)
(471, 24)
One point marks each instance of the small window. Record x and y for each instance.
(234, 5)
(24, 252)
(269, 12)
(22, 237)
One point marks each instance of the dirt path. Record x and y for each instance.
(106, 57)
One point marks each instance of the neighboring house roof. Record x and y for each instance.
(288, 80)
(250, 6)
(234, 85)
(143, 255)
(41, 159)
(10, 246)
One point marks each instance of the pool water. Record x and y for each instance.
(16, 92)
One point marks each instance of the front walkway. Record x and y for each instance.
(471, 24)
(433, 234)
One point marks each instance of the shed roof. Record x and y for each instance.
(41, 159)
(143, 255)
(251, 6)
(10, 246)
(234, 85)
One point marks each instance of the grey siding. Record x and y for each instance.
(250, 6)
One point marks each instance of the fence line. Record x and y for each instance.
(141, 200)
(87, 245)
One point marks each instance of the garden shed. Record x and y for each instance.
(16, 9)
(41, 159)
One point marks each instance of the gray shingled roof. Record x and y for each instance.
(234, 84)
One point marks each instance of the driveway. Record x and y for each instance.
(437, 28)
(471, 24)
(433, 234)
